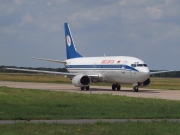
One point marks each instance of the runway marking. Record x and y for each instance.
(143, 92)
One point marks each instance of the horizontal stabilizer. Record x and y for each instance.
(58, 61)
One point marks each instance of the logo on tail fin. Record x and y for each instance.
(68, 40)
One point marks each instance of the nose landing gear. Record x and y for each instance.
(135, 89)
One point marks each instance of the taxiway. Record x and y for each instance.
(143, 92)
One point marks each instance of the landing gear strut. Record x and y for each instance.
(116, 87)
(135, 89)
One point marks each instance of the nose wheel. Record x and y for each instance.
(136, 89)
(116, 87)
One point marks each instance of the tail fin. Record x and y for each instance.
(70, 47)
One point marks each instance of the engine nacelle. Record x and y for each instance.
(145, 83)
(81, 80)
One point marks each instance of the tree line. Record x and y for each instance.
(3, 70)
(175, 74)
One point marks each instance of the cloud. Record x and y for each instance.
(27, 19)
(116, 27)
(122, 2)
(93, 14)
(18, 2)
(155, 12)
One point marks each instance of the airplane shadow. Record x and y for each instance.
(140, 91)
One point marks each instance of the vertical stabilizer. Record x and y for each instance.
(70, 47)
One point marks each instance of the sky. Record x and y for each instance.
(147, 29)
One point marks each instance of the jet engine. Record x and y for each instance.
(81, 80)
(145, 83)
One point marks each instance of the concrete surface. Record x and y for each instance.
(143, 92)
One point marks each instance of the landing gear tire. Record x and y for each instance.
(116, 87)
(87, 88)
(136, 89)
(113, 87)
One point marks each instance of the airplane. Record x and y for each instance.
(116, 70)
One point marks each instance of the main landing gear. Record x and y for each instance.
(85, 88)
(135, 89)
(116, 87)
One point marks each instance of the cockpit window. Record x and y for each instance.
(133, 65)
(139, 65)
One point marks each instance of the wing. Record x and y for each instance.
(51, 72)
(151, 73)
(58, 61)
(41, 71)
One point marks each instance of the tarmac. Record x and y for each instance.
(143, 92)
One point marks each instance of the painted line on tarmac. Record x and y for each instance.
(85, 121)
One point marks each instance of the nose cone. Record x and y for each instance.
(145, 70)
(144, 73)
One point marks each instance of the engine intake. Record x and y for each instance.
(81, 80)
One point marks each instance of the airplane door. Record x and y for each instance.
(94, 67)
(133, 73)
(124, 67)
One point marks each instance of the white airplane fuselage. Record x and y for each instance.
(112, 69)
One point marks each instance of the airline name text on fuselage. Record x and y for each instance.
(107, 61)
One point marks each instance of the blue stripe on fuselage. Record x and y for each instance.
(101, 67)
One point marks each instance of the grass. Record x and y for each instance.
(29, 104)
(100, 128)
(45, 78)
(165, 83)
(156, 83)
(20, 104)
